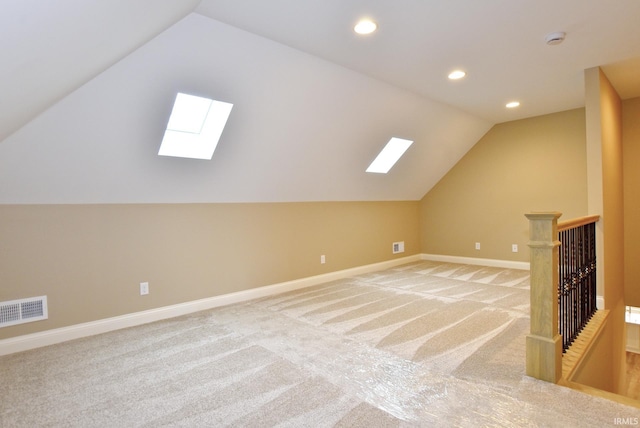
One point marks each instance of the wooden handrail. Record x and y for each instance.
(577, 222)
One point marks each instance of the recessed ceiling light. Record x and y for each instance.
(389, 155)
(513, 104)
(365, 26)
(457, 74)
(194, 127)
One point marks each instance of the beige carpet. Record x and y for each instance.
(424, 344)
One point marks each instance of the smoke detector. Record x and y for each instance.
(555, 38)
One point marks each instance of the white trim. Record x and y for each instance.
(476, 261)
(633, 338)
(63, 334)
(633, 350)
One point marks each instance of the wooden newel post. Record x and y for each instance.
(544, 344)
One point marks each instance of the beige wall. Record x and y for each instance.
(605, 193)
(90, 259)
(631, 170)
(613, 216)
(528, 165)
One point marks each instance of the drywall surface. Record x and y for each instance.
(631, 172)
(606, 198)
(90, 259)
(529, 165)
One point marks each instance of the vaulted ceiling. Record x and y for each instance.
(87, 87)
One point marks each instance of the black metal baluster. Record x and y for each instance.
(577, 281)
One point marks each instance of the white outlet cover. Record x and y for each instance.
(144, 288)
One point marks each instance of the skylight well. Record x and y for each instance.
(194, 127)
(389, 155)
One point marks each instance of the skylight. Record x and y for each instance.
(394, 149)
(194, 127)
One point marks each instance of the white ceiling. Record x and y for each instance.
(50, 48)
(500, 43)
(87, 87)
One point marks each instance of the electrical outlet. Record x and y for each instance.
(323, 259)
(477, 245)
(514, 248)
(144, 288)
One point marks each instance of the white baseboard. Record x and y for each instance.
(63, 334)
(476, 261)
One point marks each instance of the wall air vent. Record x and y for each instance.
(398, 247)
(22, 311)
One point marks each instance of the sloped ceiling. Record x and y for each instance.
(90, 85)
(499, 43)
(50, 48)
